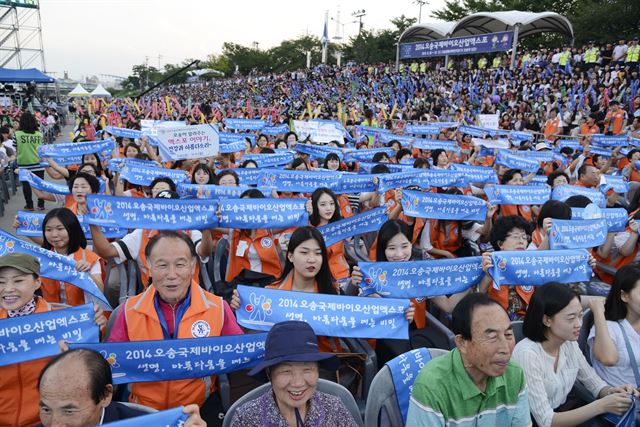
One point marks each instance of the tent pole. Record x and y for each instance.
(398, 56)
(514, 47)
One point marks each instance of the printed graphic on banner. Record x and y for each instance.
(521, 135)
(31, 225)
(616, 217)
(480, 132)
(443, 206)
(563, 192)
(298, 181)
(365, 222)
(252, 214)
(189, 142)
(534, 268)
(482, 43)
(25, 175)
(370, 130)
(178, 359)
(269, 160)
(319, 130)
(35, 336)
(151, 214)
(405, 141)
(417, 279)
(491, 143)
(151, 127)
(610, 140)
(232, 147)
(76, 148)
(328, 315)
(245, 124)
(115, 165)
(144, 175)
(517, 194)
(513, 161)
(404, 371)
(170, 418)
(577, 233)
(354, 183)
(53, 265)
(476, 174)
(365, 167)
(618, 184)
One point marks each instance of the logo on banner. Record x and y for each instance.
(502, 263)
(526, 288)
(8, 247)
(266, 242)
(381, 279)
(200, 329)
(101, 209)
(525, 208)
(259, 307)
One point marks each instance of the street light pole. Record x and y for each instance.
(420, 3)
(359, 14)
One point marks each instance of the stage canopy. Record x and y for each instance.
(8, 75)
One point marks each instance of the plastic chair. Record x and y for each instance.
(112, 319)
(221, 252)
(587, 323)
(518, 334)
(382, 408)
(324, 386)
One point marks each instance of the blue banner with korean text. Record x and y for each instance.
(125, 133)
(275, 130)
(513, 161)
(231, 137)
(317, 152)
(211, 191)
(534, 268)
(610, 140)
(31, 225)
(443, 206)
(298, 181)
(178, 359)
(428, 129)
(563, 192)
(263, 213)
(248, 176)
(116, 164)
(170, 418)
(476, 174)
(404, 371)
(25, 175)
(328, 315)
(151, 214)
(143, 175)
(616, 217)
(76, 148)
(417, 279)
(444, 177)
(577, 233)
(244, 124)
(366, 154)
(354, 183)
(404, 140)
(232, 147)
(482, 43)
(365, 222)
(517, 194)
(390, 181)
(35, 336)
(434, 144)
(618, 184)
(270, 160)
(53, 265)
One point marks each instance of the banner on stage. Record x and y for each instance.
(467, 45)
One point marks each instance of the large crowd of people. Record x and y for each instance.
(515, 357)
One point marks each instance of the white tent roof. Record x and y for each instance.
(490, 22)
(78, 91)
(100, 91)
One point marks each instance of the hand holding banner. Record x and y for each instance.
(328, 315)
(25, 175)
(443, 206)
(178, 359)
(418, 279)
(35, 336)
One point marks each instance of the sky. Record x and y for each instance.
(92, 37)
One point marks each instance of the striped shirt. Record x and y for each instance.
(445, 395)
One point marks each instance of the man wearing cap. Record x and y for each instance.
(590, 55)
(633, 54)
(291, 362)
(19, 280)
(616, 119)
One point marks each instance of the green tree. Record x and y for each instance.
(292, 54)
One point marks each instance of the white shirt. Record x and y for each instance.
(619, 52)
(621, 372)
(549, 388)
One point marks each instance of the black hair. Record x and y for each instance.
(262, 136)
(170, 234)
(583, 169)
(401, 153)
(252, 193)
(553, 209)
(508, 175)
(297, 162)
(578, 201)
(378, 169)
(92, 166)
(503, 226)
(98, 162)
(555, 174)
(225, 173)
(165, 179)
(421, 163)
(96, 367)
(323, 278)
(547, 300)
(566, 150)
(435, 154)
(392, 142)
(207, 169)
(246, 163)
(625, 280)
(286, 135)
(91, 180)
(134, 145)
(267, 150)
(388, 231)
(314, 218)
(331, 156)
(629, 154)
(378, 156)
(28, 122)
(70, 222)
(462, 315)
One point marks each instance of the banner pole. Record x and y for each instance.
(514, 47)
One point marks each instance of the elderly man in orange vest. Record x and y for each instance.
(173, 306)
(615, 120)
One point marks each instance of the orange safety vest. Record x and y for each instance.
(337, 262)
(345, 206)
(502, 296)
(519, 210)
(617, 118)
(536, 237)
(551, 127)
(325, 344)
(266, 247)
(585, 129)
(617, 261)
(19, 395)
(445, 235)
(71, 204)
(52, 289)
(203, 318)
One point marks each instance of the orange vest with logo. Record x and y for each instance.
(51, 289)
(71, 204)
(616, 261)
(445, 235)
(551, 128)
(19, 396)
(502, 295)
(203, 318)
(345, 206)
(585, 129)
(617, 118)
(337, 262)
(266, 247)
(536, 237)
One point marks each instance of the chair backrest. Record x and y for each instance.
(139, 407)
(112, 319)
(221, 251)
(324, 386)
(382, 409)
(587, 323)
(516, 326)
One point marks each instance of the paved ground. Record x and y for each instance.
(16, 202)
